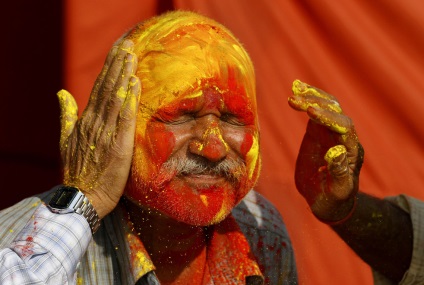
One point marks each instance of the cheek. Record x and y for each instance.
(249, 150)
(246, 144)
(161, 142)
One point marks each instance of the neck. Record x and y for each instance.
(178, 250)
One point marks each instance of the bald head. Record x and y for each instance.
(181, 50)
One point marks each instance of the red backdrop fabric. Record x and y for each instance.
(367, 53)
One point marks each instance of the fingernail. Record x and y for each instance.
(299, 87)
(128, 45)
(335, 152)
(133, 80)
(129, 57)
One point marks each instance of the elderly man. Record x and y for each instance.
(165, 156)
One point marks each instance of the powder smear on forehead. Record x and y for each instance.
(194, 49)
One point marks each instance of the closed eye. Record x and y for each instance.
(232, 119)
(174, 119)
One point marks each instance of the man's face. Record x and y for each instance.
(196, 153)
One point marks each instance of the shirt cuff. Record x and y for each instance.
(59, 240)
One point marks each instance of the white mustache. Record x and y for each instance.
(231, 169)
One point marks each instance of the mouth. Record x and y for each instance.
(197, 181)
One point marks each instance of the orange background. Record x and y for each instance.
(367, 53)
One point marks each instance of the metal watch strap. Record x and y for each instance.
(86, 209)
(69, 199)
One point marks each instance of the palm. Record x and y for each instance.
(330, 157)
(310, 177)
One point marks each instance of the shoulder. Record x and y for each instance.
(268, 238)
(258, 212)
(14, 218)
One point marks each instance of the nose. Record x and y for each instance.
(208, 141)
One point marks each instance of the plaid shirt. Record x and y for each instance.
(415, 273)
(39, 247)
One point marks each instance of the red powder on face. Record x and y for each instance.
(232, 82)
(214, 149)
(246, 144)
(177, 108)
(212, 99)
(162, 140)
(183, 202)
(236, 100)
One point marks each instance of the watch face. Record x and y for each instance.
(63, 197)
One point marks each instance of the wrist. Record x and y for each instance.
(69, 199)
(338, 214)
(102, 203)
(101, 206)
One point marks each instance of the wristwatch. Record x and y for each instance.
(68, 199)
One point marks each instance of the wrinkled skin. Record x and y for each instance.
(330, 157)
(202, 130)
(327, 175)
(198, 107)
(97, 148)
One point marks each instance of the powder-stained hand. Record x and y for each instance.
(97, 148)
(330, 157)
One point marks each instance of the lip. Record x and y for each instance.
(203, 180)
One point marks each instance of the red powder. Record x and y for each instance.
(186, 202)
(162, 140)
(247, 144)
(213, 149)
(236, 99)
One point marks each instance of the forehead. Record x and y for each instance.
(190, 60)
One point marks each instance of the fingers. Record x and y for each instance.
(126, 120)
(122, 87)
(108, 77)
(320, 106)
(101, 117)
(68, 115)
(338, 168)
(336, 122)
(340, 183)
(130, 105)
(305, 96)
(116, 80)
(345, 133)
(99, 80)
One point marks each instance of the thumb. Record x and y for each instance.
(68, 115)
(339, 180)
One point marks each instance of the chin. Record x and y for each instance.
(204, 209)
(203, 206)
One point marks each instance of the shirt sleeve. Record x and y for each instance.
(415, 273)
(47, 250)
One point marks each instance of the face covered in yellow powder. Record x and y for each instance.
(197, 142)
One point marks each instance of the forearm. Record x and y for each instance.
(46, 251)
(381, 234)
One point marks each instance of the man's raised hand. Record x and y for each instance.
(330, 157)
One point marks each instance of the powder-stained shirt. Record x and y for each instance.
(415, 273)
(39, 247)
